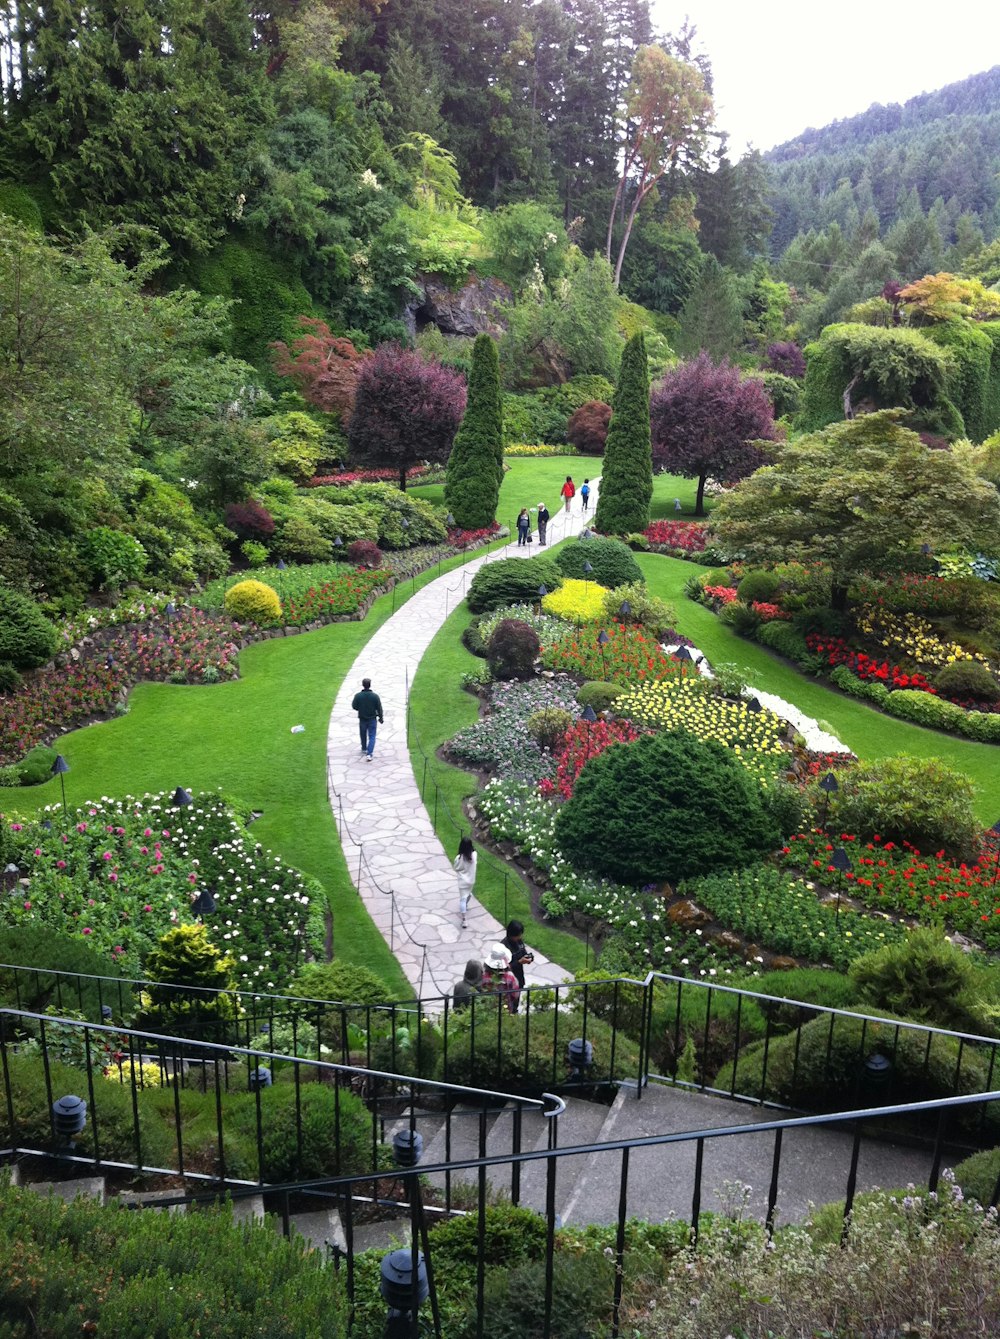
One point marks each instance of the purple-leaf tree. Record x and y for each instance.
(705, 420)
(787, 358)
(406, 410)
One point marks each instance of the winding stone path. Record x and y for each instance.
(401, 870)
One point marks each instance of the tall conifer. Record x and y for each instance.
(475, 467)
(627, 477)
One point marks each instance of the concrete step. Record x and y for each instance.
(581, 1123)
(321, 1228)
(459, 1137)
(814, 1162)
(149, 1199)
(386, 1235)
(86, 1187)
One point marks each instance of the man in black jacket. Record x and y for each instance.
(368, 705)
(519, 952)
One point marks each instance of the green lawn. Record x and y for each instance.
(870, 734)
(530, 481)
(439, 708)
(666, 487)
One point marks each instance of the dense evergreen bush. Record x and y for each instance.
(298, 1143)
(910, 704)
(475, 466)
(36, 945)
(918, 800)
(598, 694)
(757, 585)
(511, 581)
(783, 638)
(612, 562)
(190, 987)
(253, 602)
(627, 476)
(981, 725)
(870, 690)
(668, 806)
(926, 978)
(27, 638)
(512, 650)
(967, 678)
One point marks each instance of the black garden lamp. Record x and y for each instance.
(841, 862)
(624, 611)
(753, 706)
(338, 543)
(602, 641)
(181, 798)
(170, 609)
(586, 533)
(259, 1078)
(11, 876)
(682, 653)
(59, 768)
(580, 1058)
(404, 523)
(876, 1071)
(69, 1116)
(407, 1147)
(109, 661)
(403, 1286)
(829, 786)
(543, 590)
(203, 904)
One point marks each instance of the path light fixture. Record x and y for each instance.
(602, 641)
(203, 904)
(449, 521)
(180, 798)
(753, 705)
(877, 1070)
(338, 543)
(404, 523)
(682, 653)
(624, 611)
(829, 786)
(109, 661)
(407, 1147)
(543, 590)
(69, 1116)
(580, 1058)
(106, 1013)
(403, 1285)
(925, 549)
(170, 609)
(586, 533)
(259, 1078)
(11, 877)
(59, 768)
(841, 862)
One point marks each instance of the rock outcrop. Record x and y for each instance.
(470, 310)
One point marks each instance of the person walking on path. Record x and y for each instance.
(498, 979)
(568, 490)
(519, 952)
(368, 705)
(466, 990)
(543, 520)
(465, 868)
(523, 527)
(585, 494)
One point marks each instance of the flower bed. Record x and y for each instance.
(929, 888)
(911, 637)
(684, 704)
(500, 740)
(684, 536)
(838, 652)
(418, 474)
(576, 601)
(124, 872)
(342, 596)
(473, 539)
(192, 647)
(584, 740)
(536, 450)
(630, 655)
(780, 911)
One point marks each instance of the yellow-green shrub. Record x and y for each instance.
(253, 602)
(576, 601)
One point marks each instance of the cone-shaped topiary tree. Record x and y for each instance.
(627, 477)
(475, 466)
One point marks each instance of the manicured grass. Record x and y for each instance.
(666, 487)
(870, 734)
(530, 481)
(439, 708)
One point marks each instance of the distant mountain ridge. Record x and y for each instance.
(976, 96)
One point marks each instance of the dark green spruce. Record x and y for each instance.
(475, 467)
(627, 478)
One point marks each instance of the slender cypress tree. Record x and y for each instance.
(475, 466)
(627, 476)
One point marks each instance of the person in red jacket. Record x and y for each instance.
(568, 490)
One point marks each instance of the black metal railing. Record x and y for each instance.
(621, 1187)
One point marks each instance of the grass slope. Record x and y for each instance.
(868, 733)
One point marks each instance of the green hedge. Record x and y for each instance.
(968, 381)
(784, 639)
(909, 704)
(511, 581)
(869, 690)
(612, 562)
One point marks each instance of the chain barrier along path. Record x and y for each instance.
(401, 870)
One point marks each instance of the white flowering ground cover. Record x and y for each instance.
(119, 873)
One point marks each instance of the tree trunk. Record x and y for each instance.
(848, 407)
(838, 595)
(402, 478)
(699, 502)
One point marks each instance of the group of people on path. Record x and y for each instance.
(499, 972)
(568, 493)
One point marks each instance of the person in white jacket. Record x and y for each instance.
(465, 868)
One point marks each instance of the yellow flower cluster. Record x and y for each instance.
(576, 601)
(682, 704)
(147, 1075)
(911, 636)
(534, 449)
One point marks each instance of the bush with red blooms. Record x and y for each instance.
(687, 536)
(472, 539)
(767, 613)
(722, 594)
(249, 520)
(347, 477)
(585, 740)
(587, 428)
(364, 553)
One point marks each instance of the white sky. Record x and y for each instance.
(781, 66)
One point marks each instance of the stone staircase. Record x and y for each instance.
(815, 1162)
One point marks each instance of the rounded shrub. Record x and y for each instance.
(757, 585)
(363, 553)
(548, 726)
(909, 704)
(253, 602)
(646, 609)
(112, 557)
(967, 678)
(512, 650)
(340, 981)
(27, 638)
(783, 638)
(36, 767)
(923, 977)
(511, 581)
(598, 694)
(667, 807)
(740, 617)
(611, 561)
(870, 690)
(918, 800)
(981, 725)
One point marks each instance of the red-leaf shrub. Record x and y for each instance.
(587, 428)
(364, 553)
(471, 539)
(323, 367)
(249, 520)
(688, 536)
(787, 358)
(512, 650)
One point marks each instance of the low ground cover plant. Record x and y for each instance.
(124, 871)
(501, 741)
(576, 601)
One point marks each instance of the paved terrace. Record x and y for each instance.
(403, 872)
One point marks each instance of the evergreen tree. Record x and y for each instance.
(475, 466)
(627, 479)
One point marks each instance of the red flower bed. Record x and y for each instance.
(364, 477)
(838, 652)
(722, 594)
(930, 888)
(688, 536)
(342, 595)
(472, 539)
(585, 740)
(769, 612)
